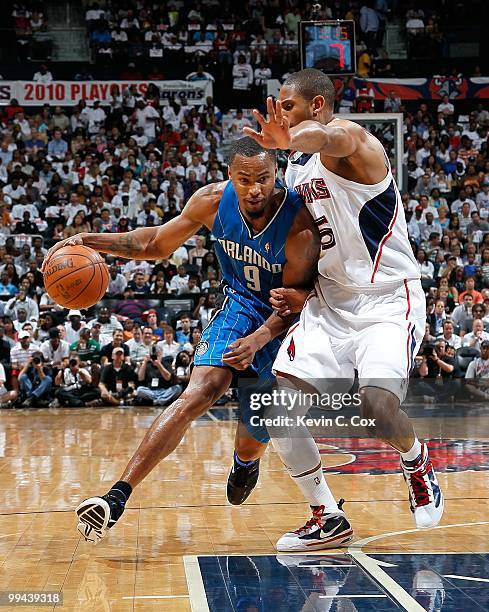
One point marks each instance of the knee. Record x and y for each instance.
(196, 402)
(380, 406)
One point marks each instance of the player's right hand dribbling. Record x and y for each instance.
(73, 241)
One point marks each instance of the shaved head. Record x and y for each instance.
(310, 83)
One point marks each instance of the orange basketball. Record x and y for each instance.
(76, 277)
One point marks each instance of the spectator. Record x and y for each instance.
(168, 347)
(182, 368)
(35, 381)
(55, 351)
(74, 326)
(150, 317)
(156, 382)
(117, 282)
(21, 302)
(437, 318)
(180, 281)
(108, 322)
(117, 342)
(242, 79)
(449, 336)
(75, 384)
(117, 380)
(22, 351)
(477, 374)
(369, 25)
(470, 290)
(477, 336)
(87, 348)
(43, 75)
(462, 313)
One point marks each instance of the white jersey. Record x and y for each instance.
(364, 239)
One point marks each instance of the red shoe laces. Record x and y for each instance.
(419, 486)
(316, 519)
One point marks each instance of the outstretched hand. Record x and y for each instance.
(275, 130)
(73, 241)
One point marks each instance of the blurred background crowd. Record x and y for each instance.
(136, 160)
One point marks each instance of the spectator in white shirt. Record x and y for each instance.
(446, 107)
(96, 117)
(168, 347)
(147, 117)
(43, 75)
(449, 336)
(457, 204)
(242, 76)
(55, 350)
(477, 335)
(426, 268)
(179, 281)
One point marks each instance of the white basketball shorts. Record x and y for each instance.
(377, 333)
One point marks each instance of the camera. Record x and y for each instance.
(73, 363)
(429, 351)
(36, 360)
(154, 355)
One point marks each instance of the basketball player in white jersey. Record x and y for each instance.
(369, 310)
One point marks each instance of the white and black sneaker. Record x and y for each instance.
(425, 496)
(97, 515)
(322, 530)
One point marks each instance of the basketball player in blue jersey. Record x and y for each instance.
(265, 239)
(369, 310)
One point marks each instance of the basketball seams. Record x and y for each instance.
(89, 265)
(91, 259)
(83, 288)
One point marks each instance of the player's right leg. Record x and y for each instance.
(207, 384)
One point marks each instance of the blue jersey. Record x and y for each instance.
(252, 264)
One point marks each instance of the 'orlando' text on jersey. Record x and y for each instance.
(252, 264)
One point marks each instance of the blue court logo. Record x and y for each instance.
(201, 348)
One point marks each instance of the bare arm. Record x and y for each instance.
(155, 242)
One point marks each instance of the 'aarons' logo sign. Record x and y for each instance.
(375, 457)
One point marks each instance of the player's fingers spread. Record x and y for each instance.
(271, 109)
(252, 134)
(278, 112)
(260, 118)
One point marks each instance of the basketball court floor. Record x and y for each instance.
(180, 546)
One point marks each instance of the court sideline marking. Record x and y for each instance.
(371, 566)
(195, 584)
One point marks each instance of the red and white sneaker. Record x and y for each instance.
(322, 530)
(425, 496)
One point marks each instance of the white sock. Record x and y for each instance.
(315, 490)
(414, 452)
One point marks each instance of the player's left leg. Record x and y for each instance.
(244, 473)
(384, 354)
(251, 440)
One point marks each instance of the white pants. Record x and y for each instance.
(377, 333)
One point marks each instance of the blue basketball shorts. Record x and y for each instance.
(230, 322)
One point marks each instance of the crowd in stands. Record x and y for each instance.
(245, 43)
(135, 162)
(29, 21)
